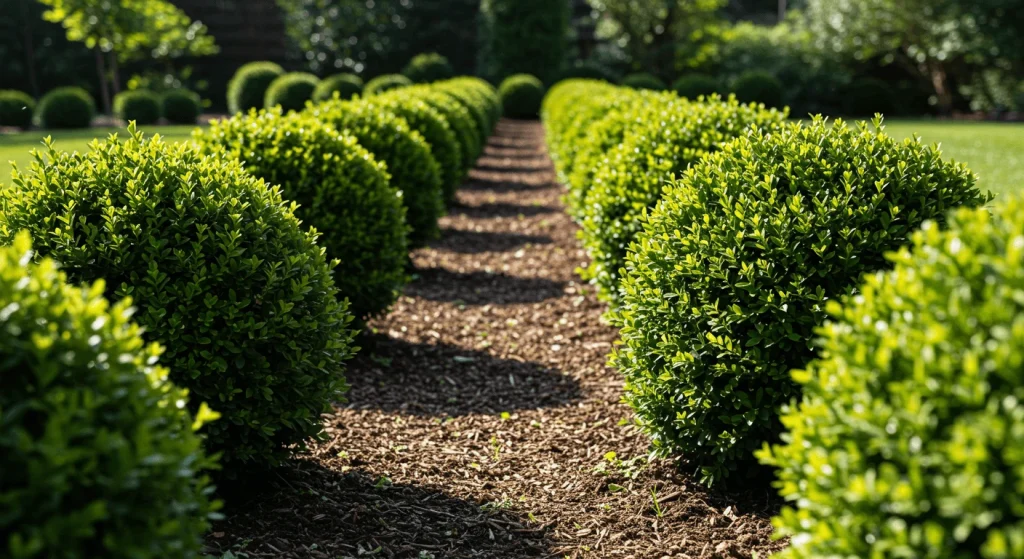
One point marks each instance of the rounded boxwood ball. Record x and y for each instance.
(98, 454)
(345, 85)
(291, 91)
(644, 80)
(340, 188)
(428, 67)
(756, 86)
(521, 96)
(140, 105)
(65, 107)
(248, 87)
(460, 120)
(223, 274)
(908, 439)
(181, 106)
(16, 108)
(728, 281)
(693, 86)
(414, 171)
(387, 82)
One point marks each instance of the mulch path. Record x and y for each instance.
(483, 421)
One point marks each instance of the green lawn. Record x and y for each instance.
(17, 147)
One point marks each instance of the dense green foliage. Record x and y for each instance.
(522, 37)
(459, 119)
(65, 107)
(728, 280)
(521, 96)
(414, 171)
(907, 442)
(345, 85)
(587, 70)
(248, 87)
(16, 108)
(757, 86)
(479, 97)
(291, 91)
(98, 456)
(434, 128)
(644, 80)
(692, 86)
(223, 274)
(665, 138)
(181, 106)
(428, 68)
(139, 105)
(387, 82)
(341, 190)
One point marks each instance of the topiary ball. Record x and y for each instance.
(345, 85)
(728, 281)
(139, 105)
(659, 142)
(869, 96)
(181, 106)
(521, 96)
(485, 93)
(340, 188)
(98, 454)
(459, 118)
(428, 68)
(908, 440)
(756, 86)
(644, 80)
(248, 87)
(475, 103)
(432, 125)
(223, 274)
(291, 91)
(414, 171)
(387, 82)
(65, 107)
(16, 108)
(693, 86)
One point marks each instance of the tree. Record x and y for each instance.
(657, 33)
(123, 30)
(523, 37)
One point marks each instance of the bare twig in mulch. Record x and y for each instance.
(483, 420)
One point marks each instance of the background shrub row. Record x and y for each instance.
(725, 238)
(251, 255)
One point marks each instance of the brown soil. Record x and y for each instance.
(483, 417)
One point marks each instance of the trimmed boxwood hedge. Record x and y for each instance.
(291, 91)
(521, 96)
(16, 108)
(340, 188)
(139, 105)
(729, 279)
(414, 171)
(644, 80)
(428, 67)
(908, 440)
(387, 82)
(756, 86)
(459, 118)
(98, 456)
(65, 107)
(345, 85)
(223, 274)
(693, 86)
(248, 87)
(181, 106)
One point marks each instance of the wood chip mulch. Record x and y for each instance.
(483, 421)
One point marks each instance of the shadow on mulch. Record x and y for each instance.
(449, 381)
(511, 169)
(311, 509)
(478, 242)
(501, 209)
(498, 185)
(481, 288)
(501, 152)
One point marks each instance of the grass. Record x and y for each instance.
(17, 148)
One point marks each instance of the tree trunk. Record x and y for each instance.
(30, 53)
(115, 72)
(940, 83)
(104, 84)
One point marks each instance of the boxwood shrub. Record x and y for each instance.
(757, 86)
(181, 106)
(644, 80)
(98, 457)
(248, 87)
(459, 118)
(908, 440)
(291, 91)
(16, 108)
(477, 96)
(669, 136)
(65, 107)
(139, 105)
(693, 86)
(428, 67)
(387, 82)
(521, 96)
(345, 85)
(223, 274)
(414, 171)
(340, 188)
(432, 125)
(560, 106)
(730, 276)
